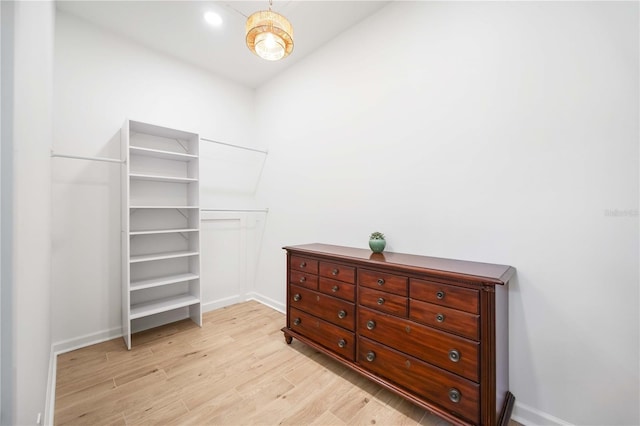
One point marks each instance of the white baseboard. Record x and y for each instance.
(530, 416)
(51, 389)
(221, 303)
(86, 340)
(228, 301)
(102, 336)
(274, 304)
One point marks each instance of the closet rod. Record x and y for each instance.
(235, 210)
(80, 157)
(234, 146)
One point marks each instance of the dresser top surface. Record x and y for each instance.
(477, 271)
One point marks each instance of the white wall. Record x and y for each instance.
(99, 81)
(6, 112)
(27, 40)
(498, 132)
(5, 31)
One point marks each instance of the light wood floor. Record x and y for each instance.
(235, 370)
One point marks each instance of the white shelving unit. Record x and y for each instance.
(160, 227)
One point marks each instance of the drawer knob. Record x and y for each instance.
(380, 281)
(440, 317)
(303, 279)
(454, 395)
(342, 314)
(380, 300)
(297, 321)
(440, 294)
(371, 324)
(371, 356)
(454, 355)
(335, 272)
(342, 343)
(297, 297)
(334, 288)
(303, 265)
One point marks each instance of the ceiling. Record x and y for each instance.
(178, 29)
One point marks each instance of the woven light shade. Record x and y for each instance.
(269, 35)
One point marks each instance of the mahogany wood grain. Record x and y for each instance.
(396, 284)
(421, 377)
(433, 346)
(303, 279)
(447, 319)
(328, 335)
(446, 295)
(488, 359)
(304, 264)
(476, 272)
(331, 309)
(338, 272)
(336, 288)
(383, 301)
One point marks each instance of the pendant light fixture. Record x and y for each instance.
(269, 34)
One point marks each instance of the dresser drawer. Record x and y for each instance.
(303, 279)
(396, 284)
(303, 264)
(445, 389)
(452, 320)
(339, 289)
(339, 272)
(331, 309)
(328, 335)
(445, 350)
(385, 302)
(464, 299)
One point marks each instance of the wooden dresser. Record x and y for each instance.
(432, 330)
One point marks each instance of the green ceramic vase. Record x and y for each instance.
(377, 245)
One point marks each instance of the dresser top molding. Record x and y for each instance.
(485, 273)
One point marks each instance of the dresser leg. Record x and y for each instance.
(507, 408)
(287, 337)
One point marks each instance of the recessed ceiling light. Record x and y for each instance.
(213, 19)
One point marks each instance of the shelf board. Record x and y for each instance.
(161, 256)
(159, 178)
(158, 282)
(163, 231)
(164, 207)
(158, 153)
(162, 305)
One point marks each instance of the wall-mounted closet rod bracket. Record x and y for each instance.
(81, 157)
(184, 214)
(235, 146)
(182, 145)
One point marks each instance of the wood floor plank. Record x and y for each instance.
(81, 394)
(378, 413)
(235, 370)
(96, 409)
(85, 374)
(327, 418)
(220, 410)
(317, 403)
(160, 412)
